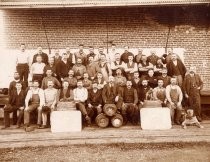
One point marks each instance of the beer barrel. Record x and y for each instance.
(102, 120)
(151, 104)
(110, 109)
(117, 121)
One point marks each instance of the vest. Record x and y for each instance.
(128, 95)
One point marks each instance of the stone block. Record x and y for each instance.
(66, 121)
(155, 118)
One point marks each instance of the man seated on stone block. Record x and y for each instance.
(34, 100)
(80, 96)
(50, 95)
(110, 92)
(94, 101)
(16, 103)
(174, 96)
(159, 93)
(129, 108)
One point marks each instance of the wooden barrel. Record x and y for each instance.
(151, 104)
(110, 109)
(102, 120)
(117, 120)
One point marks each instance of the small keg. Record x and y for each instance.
(117, 120)
(102, 120)
(110, 109)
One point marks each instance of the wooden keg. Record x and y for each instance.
(102, 120)
(110, 109)
(151, 104)
(117, 120)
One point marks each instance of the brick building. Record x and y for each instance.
(146, 24)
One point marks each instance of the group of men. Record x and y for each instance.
(93, 80)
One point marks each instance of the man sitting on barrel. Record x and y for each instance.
(94, 101)
(130, 109)
(110, 92)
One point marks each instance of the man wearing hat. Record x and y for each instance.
(192, 86)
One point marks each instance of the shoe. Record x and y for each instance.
(5, 127)
(184, 127)
(43, 127)
(39, 126)
(178, 122)
(201, 126)
(17, 127)
(199, 118)
(87, 118)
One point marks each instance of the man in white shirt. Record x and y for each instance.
(22, 62)
(50, 95)
(35, 97)
(117, 64)
(80, 96)
(130, 67)
(37, 69)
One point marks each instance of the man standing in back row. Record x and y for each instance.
(22, 62)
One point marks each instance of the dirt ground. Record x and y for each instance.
(111, 153)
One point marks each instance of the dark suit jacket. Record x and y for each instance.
(181, 67)
(62, 69)
(107, 96)
(187, 83)
(44, 58)
(17, 100)
(94, 98)
(13, 88)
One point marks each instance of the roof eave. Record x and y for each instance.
(8, 5)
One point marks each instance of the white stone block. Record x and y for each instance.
(155, 118)
(66, 121)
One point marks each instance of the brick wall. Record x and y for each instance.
(137, 27)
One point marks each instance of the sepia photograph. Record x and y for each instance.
(105, 80)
